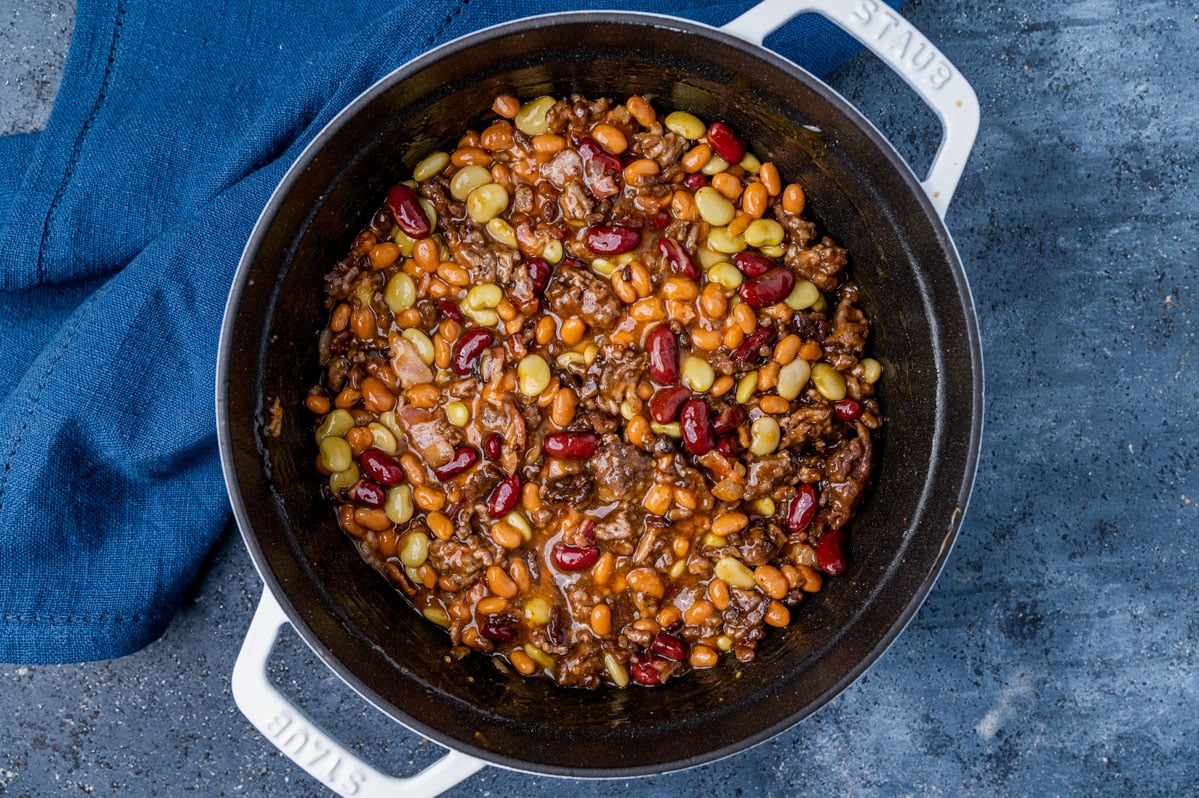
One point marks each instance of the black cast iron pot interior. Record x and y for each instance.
(924, 333)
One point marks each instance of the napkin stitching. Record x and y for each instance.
(449, 18)
(36, 398)
(78, 146)
(9, 617)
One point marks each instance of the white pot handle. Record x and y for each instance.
(893, 39)
(302, 742)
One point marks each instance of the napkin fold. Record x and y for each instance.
(121, 225)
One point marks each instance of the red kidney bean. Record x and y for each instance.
(801, 509)
(409, 215)
(493, 446)
(572, 263)
(667, 646)
(504, 496)
(449, 308)
(696, 426)
(496, 632)
(753, 264)
(664, 405)
(771, 287)
(830, 552)
(847, 410)
(663, 350)
(573, 558)
(590, 151)
(539, 274)
(368, 493)
(750, 348)
(695, 181)
(381, 468)
(645, 673)
(470, 346)
(728, 445)
(464, 457)
(678, 257)
(612, 239)
(659, 221)
(728, 145)
(729, 419)
(571, 445)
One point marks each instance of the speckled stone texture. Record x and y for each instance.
(1057, 654)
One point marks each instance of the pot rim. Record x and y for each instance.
(448, 49)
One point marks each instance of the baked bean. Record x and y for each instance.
(572, 331)
(523, 663)
(530, 497)
(640, 169)
(610, 138)
(317, 404)
(545, 330)
(383, 255)
(440, 525)
(362, 322)
(768, 376)
(786, 350)
(812, 579)
(774, 404)
(641, 110)
(425, 394)
(520, 575)
(768, 173)
(376, 395)
(500, 583)
(562, 409)
(506, 106)
(466, 156)
(698, 612)
(548, 143)
(425, 253)
(777, 614)
(702, 657)
(793, 199)
(428, 498)
(359, 439)
(729, 186)
(745, 318)
(371, 518)
(755, 200)
(347, 397)
(413, 469)
(696, 158)
(506, 535)
(771, 580)
(497, 137)
(668, 616)
(603, 569)
(718, 594)
(680, 288)
(683, 207)
(492, 605)
(723, 385)
(601, 620)
(811, 351)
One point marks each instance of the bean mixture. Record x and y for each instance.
(595, 396)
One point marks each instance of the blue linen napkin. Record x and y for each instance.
(121, 225)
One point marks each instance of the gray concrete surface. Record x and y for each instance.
(34, 36)
(1057, 654)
